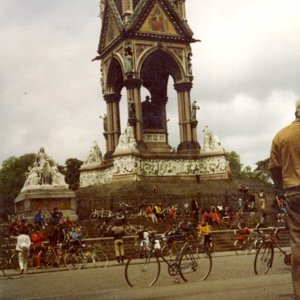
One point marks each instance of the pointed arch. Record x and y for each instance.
(172, 62)
(114, 78)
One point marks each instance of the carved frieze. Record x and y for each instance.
(133, 165)
(154, 138)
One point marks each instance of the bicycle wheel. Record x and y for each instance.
(130, 230)
(99, 259)
(142, 272)
(263, 259)
(94, 216)
(239, 247)
(74, 261)
(50, 259)
(179, 212)
(194, 264)
(11, 268)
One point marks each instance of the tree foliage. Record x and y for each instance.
(260, 173)
(12, 178)
(234, 164)
(72, 173)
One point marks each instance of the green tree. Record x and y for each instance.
(12, 178)
(234, 164)
(262, 172)
(72, 172)
(247, 173)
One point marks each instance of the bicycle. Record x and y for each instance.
(127, 208)
(244, 245)
(54, 255)
(171, 247)
(132, 229)
(94, 255)
(100, 213)
(208, 244)
(166, 212)
(10, 266)
(10, 261)
(34, 257)
(231, 222)
(143, 272)
(102, 229)
(265, 254)
(80, 256)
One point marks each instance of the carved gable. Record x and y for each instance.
(112, 31)
(158, 22)
(159, 19)
(111, 28)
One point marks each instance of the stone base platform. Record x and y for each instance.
(165, 190)
(46, 197)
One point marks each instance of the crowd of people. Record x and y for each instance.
(58, 230)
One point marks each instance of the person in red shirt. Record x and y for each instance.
(37, 239)
(243, 232)
(215, 217)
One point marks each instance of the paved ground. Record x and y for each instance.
(232, 278)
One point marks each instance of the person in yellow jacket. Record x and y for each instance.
(204, 231)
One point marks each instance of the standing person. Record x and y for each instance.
(262, 200)
(56, 216)
(204, 231)
(185, 227)
(158, 212)
(39, 218)
(150, 213)
(37, 238)
(22, 247)
(252, 202)
(284, 166)
(118, 233)
(195, 210)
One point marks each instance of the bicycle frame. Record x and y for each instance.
(173, 264)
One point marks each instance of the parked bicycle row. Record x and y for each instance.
(185, 257)
(188, 254)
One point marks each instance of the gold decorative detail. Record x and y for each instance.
(140, 48)
(178, 52)
(157, 138)
(158, 22)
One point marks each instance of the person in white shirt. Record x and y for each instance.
(22, 247)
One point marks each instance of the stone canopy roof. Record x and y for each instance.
(120, 26)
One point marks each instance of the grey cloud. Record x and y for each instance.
(246, 75)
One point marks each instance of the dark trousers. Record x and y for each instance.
(293, 203)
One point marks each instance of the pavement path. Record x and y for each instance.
(232, 278)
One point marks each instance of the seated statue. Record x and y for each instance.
(95, 155)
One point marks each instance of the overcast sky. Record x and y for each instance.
(246, 75)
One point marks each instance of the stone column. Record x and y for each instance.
(187, 128)
(113, 121)
(181, 113)
(133, 87)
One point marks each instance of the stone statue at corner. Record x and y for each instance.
(95, 155)
(195, 107)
